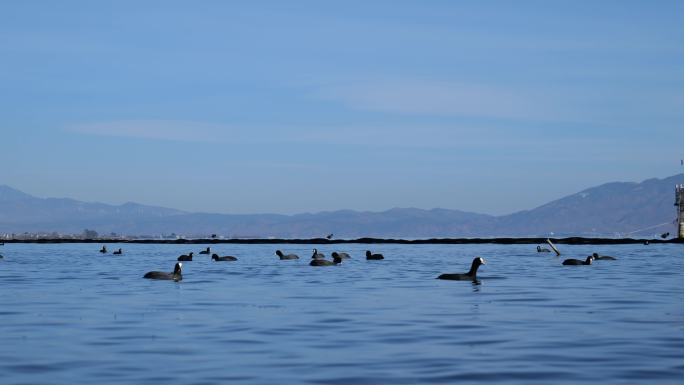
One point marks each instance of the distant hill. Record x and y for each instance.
(618, 207)
(606, 210)
(21, 212)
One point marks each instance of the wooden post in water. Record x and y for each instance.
(679, 202)
(553, 246)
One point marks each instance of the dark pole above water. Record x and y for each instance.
(679, 202)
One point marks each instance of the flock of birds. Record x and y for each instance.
(318, 259)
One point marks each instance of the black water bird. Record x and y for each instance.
(374, 257)
(664, 235)
(227, 258)
(471, 275)
(603, 257)
(185, 257)
(575, 262)
(175, 276)
(335, 254)
(103, 249)
(317, 255)
(542, 249)
(207, 251)
(286, 256)
(329, 236)
(118, 252)
(325, 262)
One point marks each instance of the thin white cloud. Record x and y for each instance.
(580, 104)
(441, 98)
(408, 135)
(172, 130)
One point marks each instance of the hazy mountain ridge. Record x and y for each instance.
(616, 207)
(29, 213)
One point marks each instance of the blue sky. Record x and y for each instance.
(303, 106)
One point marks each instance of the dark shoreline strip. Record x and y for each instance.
(323, 241)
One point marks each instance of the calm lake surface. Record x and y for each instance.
(70, 315)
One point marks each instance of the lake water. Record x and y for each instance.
(70, 315)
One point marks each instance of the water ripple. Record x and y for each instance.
(260, 320)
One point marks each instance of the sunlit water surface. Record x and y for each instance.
(70, 315)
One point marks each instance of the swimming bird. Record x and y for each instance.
(542, 249)
(574, 262)
(373, 256)
(207, 251)
(1, 257)
(286, 256)
(185, 257)
(664, 235)
(471, 275)
(227, 258)
(176, 275)
(604, 257)
(118, 252)
(317, 255)
(329, 236)
(103, 249)
(335, 254)
(325, 262)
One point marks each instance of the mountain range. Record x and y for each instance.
(617, 208)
